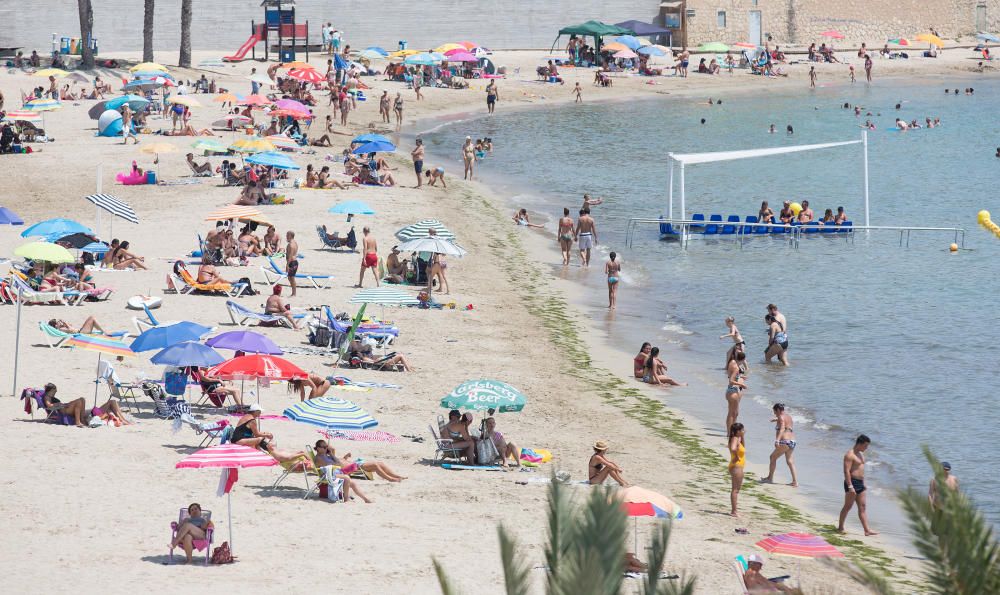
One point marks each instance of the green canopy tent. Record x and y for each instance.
(595, 29)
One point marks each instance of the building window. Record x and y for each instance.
(720, 18)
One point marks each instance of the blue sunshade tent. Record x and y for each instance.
(166, 335)
(370, 138)
(188, 353)
(9, 217)
(988, 37)
(273, 159)
(55, 227)
(375, 147)
(352, 207)
(331, 413)
(651, 50)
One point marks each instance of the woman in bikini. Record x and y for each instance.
(124, 259)
(737, 462)
(734, 391)
(468, 157)
(777, 344)
(272, 241)
(600, 467)
(784, 444)
(566, 237)
(655, 371)
(612, 269)
(317, 385)
(326, 455)
(88, 327)
(639, 361)
(438, 268)
(766, 214)
(249, 243)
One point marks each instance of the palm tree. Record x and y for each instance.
(147, 31)
(585, 552)
(86, 32)
(184, 60)
(960, 551)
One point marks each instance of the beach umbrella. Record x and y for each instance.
(55, 227)
(96, 248)
(628, 41)
(651, 50)
(483, 394)
(24, 116)
(44, 251)
(638, 502)
(402, 53)
(261, 79)
(330, 413)
(988, 37)
(713, 46)
(434, 245)
(384, 296)
(165, 335)
(832, 34)
(449, 46)
(422, 59)
(245, 341)
(352, 207)
(252, 144)
(228, 457)
(102, 345)
(47, 72)
(900, 41)
(624, 54)
(377, 50)
(292, 105)
(153, 66)
(461, 56)
(743, 44)
(370, 137)
(135, 102)
(613, 46)
(233, 212)
(469, 45)
(257, 366)
(43, 105)
(273, 159)
(231, 97)
(926, 37)
(188, 353)
(9, 217)
(75, 240)
(280, 141)
(296, 65)
(143, 85)
(209, 145)
(184, 100)
(375, 147)
(258, 100)
(371, 55)
(799, 545)
(421, 229)
(114, 205)
(308, 75)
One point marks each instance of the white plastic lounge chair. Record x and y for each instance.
(56, 337)
(241, 314)
(32, 296)
(274, 273)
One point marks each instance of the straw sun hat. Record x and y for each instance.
(600, 446)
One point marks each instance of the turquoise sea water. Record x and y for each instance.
(893, 342)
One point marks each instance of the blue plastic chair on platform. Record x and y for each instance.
(729, 229)
(713, 228)
(697, 228)
(812, 227)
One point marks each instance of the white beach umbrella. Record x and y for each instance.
(433, 244)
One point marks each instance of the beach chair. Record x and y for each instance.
(241, 314)
(847, 227)
(35, 401)
(227, 289)
(19, 287)
(199, 544)
(53, 336)
(729, 229)
(697, 228)
(350, 242)
(145, 324)
(829, 228)
(275, 271)
(749, 226)
(295, 467)
(444, 451)
(713, 226)
(124, 392)
(216, 397)
(812, 227)
(760, 229)
(739, 566)
(384, 334)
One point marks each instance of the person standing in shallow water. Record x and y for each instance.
(612, 269)
(784, 444)
(566, 236)
(586, 235)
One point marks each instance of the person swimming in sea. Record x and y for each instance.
(613, 269)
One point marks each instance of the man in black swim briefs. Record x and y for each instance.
(854, 484)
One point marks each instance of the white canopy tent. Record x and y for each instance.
(684, 159)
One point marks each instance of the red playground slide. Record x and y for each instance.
(240, 53)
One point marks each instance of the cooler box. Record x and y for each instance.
(151, 177)
(64, 45)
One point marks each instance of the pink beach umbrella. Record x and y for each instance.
(307, 74)
(229, 458)
(460, 56)
(292, 106)
(799, 545)
(626, 53)
(832, 34)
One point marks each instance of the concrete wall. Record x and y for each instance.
(225, 24)
(871, 21)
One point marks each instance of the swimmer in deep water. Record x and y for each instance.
(613, 269)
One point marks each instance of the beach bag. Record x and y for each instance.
(175, 383)
(323, 337)
(486, 451)
(248, 286)
(222, 554)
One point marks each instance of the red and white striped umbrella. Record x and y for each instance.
(799, 545)
(307, 74)
(227, 456)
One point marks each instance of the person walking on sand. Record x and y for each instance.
(784, 444)
(383, 107)
(417, 154)
(950, 482)
(291, 259)
(370, 258)
(578, 92)
(492, 96)
(613, 269)
(397, 107)
(854, 484)
(737, 463)
(868, 68)
(812, 77)
(127, 129)
(468, 158)
(566, 236)
(586, 235)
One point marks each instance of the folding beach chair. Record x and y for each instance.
(124, 392)
(240, 314)
(294, 467)
(53, 336)
(199, 544)
(227, 289)
(443, 447)
(274, 274)
(338, 244)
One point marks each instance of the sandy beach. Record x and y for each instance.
(90, 509)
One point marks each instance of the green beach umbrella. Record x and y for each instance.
(45, 251)
(421, 229)
(357, 322)
(478, 395)
(713, 46)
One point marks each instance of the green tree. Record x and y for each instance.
(147, 31)
(86, 11)
(184, 61)
(585, 552)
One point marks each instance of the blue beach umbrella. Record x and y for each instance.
(96, 248)
(377, 50)
(134, 102)
(9, 217)
(422, 59)
(55, 227)
(143, 84)
(166, 335)
(370, 137)
(331, 413)
(188, 353)
(352, 207)
(988, 37)
(629, 41)
(378, 146)
(273, 159)
(650, 50)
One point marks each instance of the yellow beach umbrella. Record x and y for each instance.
(45, 251)
(931, 39)
(404, 53)
(614, 46)
(227, 97)
(47, 72)
(448, 47)
(253, 144)
(184, 100)
(157, 148)
(148, 66)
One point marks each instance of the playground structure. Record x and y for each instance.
(280, 29)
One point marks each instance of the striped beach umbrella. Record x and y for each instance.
(23, 116)
(799, 545)
(637, 502)
(114, 205)
(253, 144)
(421, 229)
(280, 141)
(43, 105)
(384, 296)
(100, 344)
(331, 413)
(233, 212)
(483, 394)
(308, 75)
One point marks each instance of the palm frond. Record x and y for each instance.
(515, 569)
(446, 587)
(559, 522)
(653, 585)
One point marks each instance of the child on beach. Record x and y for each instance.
(852, 73)
(577, 91)
(612, 269)
(434, 176)
(812, 77)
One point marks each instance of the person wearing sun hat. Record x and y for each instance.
(601, 467)
(756, 582)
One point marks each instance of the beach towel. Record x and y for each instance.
(344, 380)
(274, 417)
(350, 388)
(360, 435)
(178, 182)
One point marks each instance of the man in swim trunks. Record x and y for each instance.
(370, 258)
(806, 214)
(566, 235)
(854, 484)
(418, 161)
(492, 95)
(950, 482)
(291, 259)
(586, 235)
